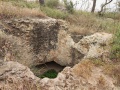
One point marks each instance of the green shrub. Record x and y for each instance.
(52, 3)
(50, 74)
(25, 4)
(69, 6)
(54, 13)
(115, 51)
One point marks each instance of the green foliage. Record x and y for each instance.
(52, 3)
(50, 74)
(54, 13)
(26, 4)
(115, 51)
(98, 62)
(50, 10)
(69, 6)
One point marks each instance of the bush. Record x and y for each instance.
(52, 3)
(115, 51)
(54, 13)
(69, 6)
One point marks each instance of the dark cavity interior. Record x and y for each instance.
(39, 70)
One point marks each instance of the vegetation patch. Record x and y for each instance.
(115, 50)
(23, 3)
(113, 70)
(98, 62)
(50, 74)
(12, 9)
(54, 13)
(49, 69)
(52, 3)
(69, 6)
(113, 15)
(83, 69)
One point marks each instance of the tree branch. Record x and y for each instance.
(102, 7)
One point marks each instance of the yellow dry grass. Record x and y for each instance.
(82, 23)
(86, 23)
(7, 10)
(101, 81)
(113, 70)
(83, 69)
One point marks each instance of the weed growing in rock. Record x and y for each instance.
(98, 62)
(50, 74)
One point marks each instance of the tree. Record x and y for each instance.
(41, 2)
(69, 6)
(94, 5)
(118, 5)
(103, 5)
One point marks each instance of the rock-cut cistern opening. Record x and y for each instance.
(49, 69)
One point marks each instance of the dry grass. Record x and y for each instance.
(110, 68)
(83, 69)
(98, 62)
(86, 23)
(75, 29)
(101, 81)
(82, 23)
(7, 10)
(113, 71)
(82, 18)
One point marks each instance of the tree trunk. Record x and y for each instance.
(41, 2)
(102, 7)
(94, 5)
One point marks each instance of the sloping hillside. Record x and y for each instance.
(66, 49)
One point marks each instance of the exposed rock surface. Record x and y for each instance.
(49, 40)
(94, 45)
(14, 76)
(41, 35)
